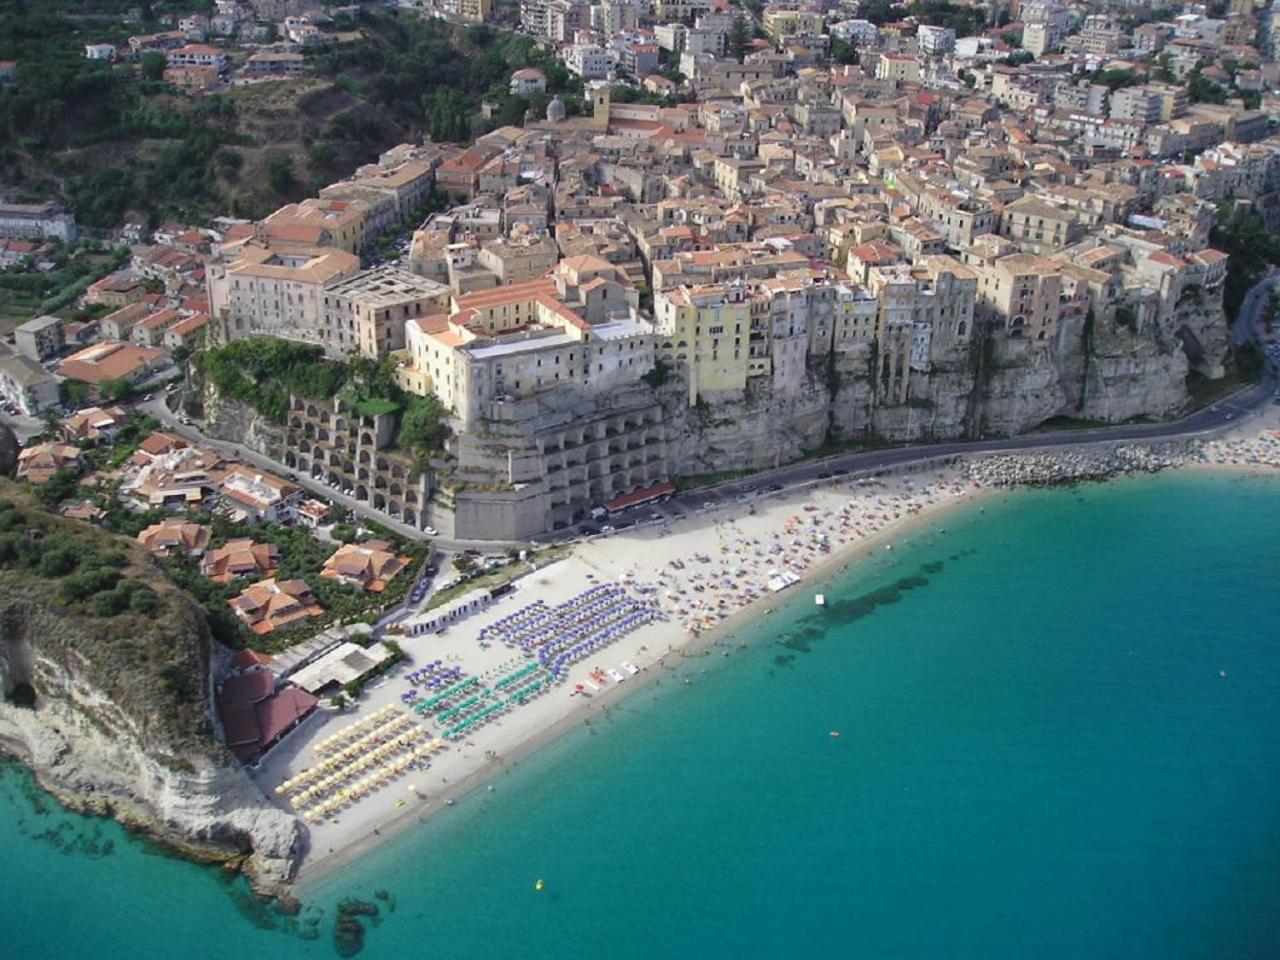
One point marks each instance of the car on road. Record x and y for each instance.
(430, 531)
(588, 529)
(293, 477)
(773, 488)
(825, 475)
(433, 568)
(840, 473)
(606, 529)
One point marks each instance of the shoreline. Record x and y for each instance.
(314, 869)
(970, 483)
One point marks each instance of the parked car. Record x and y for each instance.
(430, 531)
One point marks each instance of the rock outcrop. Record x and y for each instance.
(113, 714)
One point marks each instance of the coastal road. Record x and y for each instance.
(1203, 421)
(1214, 417)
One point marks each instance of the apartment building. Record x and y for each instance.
(1038, 226)
(41, 338)
(368, 311)
(924, 315)
(26, 384)
(257, 290)
(1024, 294)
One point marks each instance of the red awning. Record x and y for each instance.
(643, 495)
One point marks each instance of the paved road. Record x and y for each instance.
(157, 408)
(1247, 327)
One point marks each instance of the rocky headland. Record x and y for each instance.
(113, 710)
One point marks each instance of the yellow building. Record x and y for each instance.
(898, 67)
(708, 331)
(785, 21)
(476, 11)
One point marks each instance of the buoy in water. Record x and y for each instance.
(835, 734)
(539, 885)
(820, 599)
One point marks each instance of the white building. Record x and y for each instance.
(100, 51)
(935, 41)
(861, 33)
(527, 81)
(589, 61)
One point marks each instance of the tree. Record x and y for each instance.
(280, 174)
(844, 52)
(153, 64)
(738, 38)
(118, 389)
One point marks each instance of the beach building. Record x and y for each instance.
(40, 463)
(271, 604)
(175, 536)
(242, 557)
(346, 662)
(456, 609)
(370, 565)
(255, 714)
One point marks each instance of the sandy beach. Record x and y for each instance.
(705, 574)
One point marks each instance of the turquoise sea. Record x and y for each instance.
(1058, 738)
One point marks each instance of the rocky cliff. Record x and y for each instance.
(235, 421)
(998, 386)
(112, 712)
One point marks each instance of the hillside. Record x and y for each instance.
(118, 146)
(104, 667)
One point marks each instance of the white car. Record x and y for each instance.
(615, 675)
(430, 531)
(630, 667)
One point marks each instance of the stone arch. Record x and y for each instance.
(379, 482)
(364, 456)
(382, 463)
(290, 460)
(366, 438)
(362, 473)
(396, 490)
(410, 517)
(379, 502)
(335, 460)
(362, 492)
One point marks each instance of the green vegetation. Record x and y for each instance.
(659, 375)
(25, 292)
(432, 76)
(89, 581)
(263, 371)
(1242, 234)
(964, 20)
(695, 480)
(1116, 79)
(96, 606)
(1200, 89)
(302, 557)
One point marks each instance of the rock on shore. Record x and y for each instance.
(1072, 465)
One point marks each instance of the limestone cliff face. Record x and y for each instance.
(999, 386)
(113, 715)
(233, 420)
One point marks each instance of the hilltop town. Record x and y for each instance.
(642, 249)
